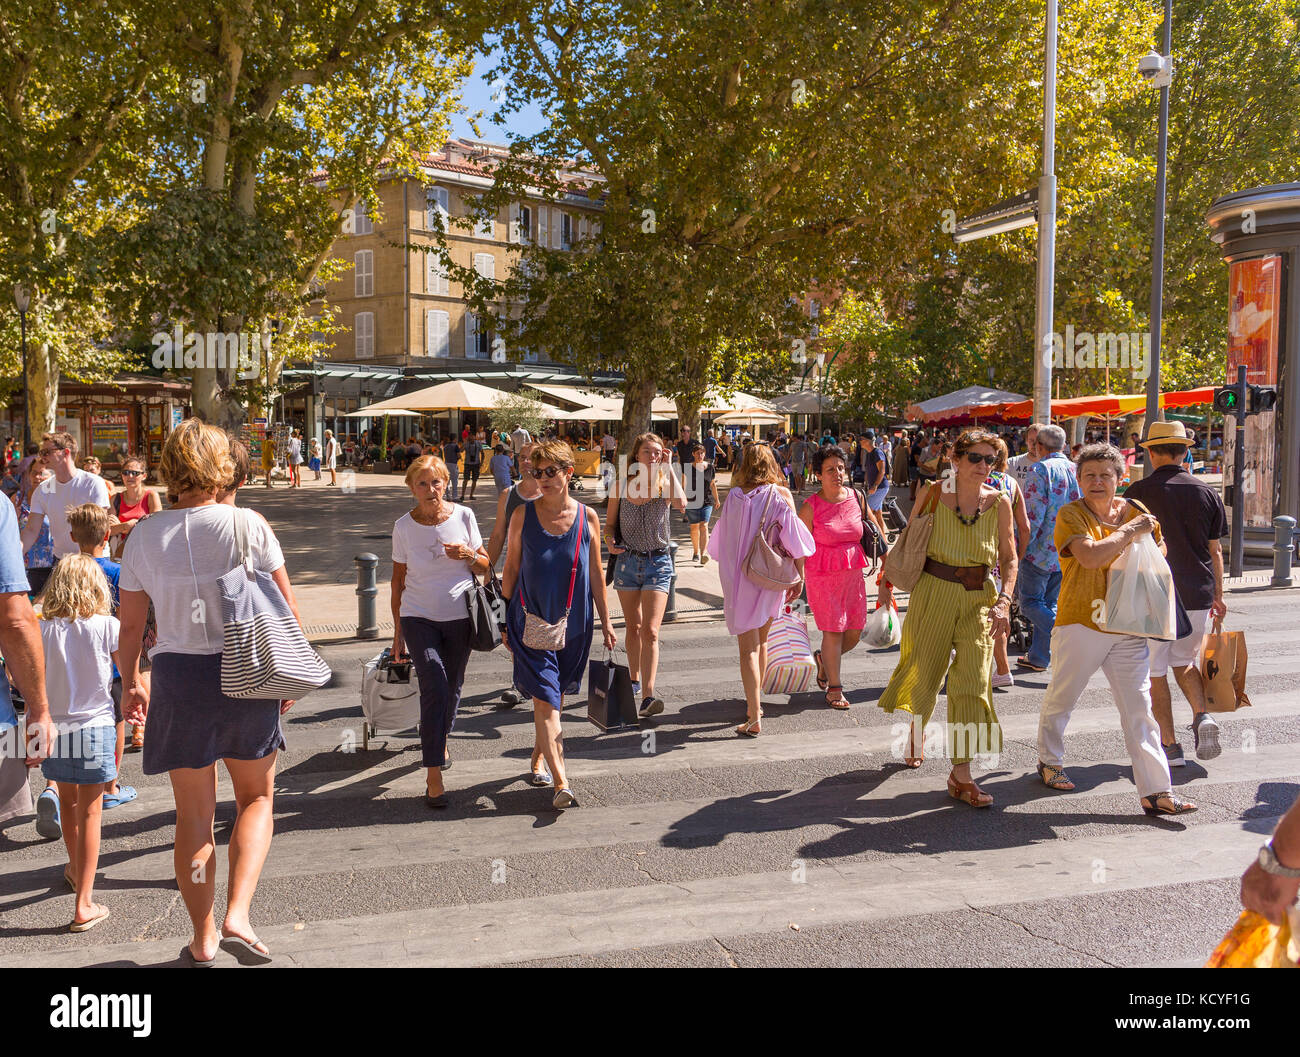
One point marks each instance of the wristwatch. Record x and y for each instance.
(1268, 862)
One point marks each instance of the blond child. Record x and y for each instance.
(80, 641)
(90, 526)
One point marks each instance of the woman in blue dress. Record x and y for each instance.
(548, 552)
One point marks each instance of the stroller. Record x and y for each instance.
(1021, 633)
(894, 519)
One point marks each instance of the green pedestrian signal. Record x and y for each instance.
(1227, 400)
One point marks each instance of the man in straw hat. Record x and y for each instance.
(1192, 519)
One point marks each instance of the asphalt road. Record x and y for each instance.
(811, 845)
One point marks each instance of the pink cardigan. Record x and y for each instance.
(745, 605)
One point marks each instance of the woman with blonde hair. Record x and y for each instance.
(757, 500)
(550, 586)
(643, 572)
(437, 552)
(174, 559)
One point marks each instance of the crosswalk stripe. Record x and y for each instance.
(607, 920)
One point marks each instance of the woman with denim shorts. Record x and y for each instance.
(699, 478)
(644, 571)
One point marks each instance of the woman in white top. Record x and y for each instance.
(174, 559)
(437, 551)
(295, 459)
(331, 456)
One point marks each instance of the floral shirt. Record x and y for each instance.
(41, 556)
(1050, 485)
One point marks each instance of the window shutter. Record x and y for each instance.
(436, 343)
(543, 225)
(582, 228)
(435, 204)
(557, 229)
(364, 266)
(363, 223)
(485, 265)
(364, 332)
(436, 281)
(516, 222)
(471, 335)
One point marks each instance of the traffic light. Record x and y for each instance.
(1228, 400)
(1262, 398)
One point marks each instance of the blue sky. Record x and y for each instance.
(477, 95)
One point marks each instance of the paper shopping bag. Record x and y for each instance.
(1223, 670)
(611, 704)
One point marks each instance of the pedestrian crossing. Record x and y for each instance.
(810, 844)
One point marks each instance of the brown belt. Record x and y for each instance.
(971, 577)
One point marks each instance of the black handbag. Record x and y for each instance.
(611, 704)
(873, 545)
(613, 558)
(486, 613)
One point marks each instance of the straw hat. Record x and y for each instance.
(1168, 433)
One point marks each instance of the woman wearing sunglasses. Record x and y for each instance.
(550, 589)
(956, 607)
(644, 570)
(132, 503)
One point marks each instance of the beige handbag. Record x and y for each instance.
(906, 558)
(540, 634)
(767, 564)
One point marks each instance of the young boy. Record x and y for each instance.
(89, 525)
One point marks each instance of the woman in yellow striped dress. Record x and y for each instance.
(955, 606)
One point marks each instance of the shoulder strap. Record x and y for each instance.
(580, 522)
(243, 549)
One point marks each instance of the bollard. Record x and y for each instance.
(1283, 537)
(670, 612)
(367, 590)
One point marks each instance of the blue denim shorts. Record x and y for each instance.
(82, 757)
(634, 572)
(699, 515)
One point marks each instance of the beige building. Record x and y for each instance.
(397, 303)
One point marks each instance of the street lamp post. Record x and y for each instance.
(1159, 70)
(1046, 230)
(23, 299)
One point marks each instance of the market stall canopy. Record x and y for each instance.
(460, 394)
(753, 417)
(598, 407)
(1107, 404)
(805, 402)
(975, 401)
(365, 412)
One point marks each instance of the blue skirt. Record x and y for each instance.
(192, 724)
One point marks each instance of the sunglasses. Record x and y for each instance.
(45, 453)
(548, 471)
(975, 459)
(132, 473)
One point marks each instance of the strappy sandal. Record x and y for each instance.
(968, 792)
(837, 702)
(1177, 805)
(1055, 777)
(750, 730)
(913, 761)
(822, 680)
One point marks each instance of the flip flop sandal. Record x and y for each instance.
(69, 878)
(838, 703)
(89, 923)
(188, 960)
(245, 951)
(822, 681)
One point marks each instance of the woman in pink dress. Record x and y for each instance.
(748, 608)
(837, 592)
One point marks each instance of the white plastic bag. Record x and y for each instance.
(1140, 593)
(884, 628)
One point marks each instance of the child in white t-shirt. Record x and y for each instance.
(80, 640)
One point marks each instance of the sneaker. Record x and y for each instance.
(563, 798)
(1174, 754)
(510, 696)
(704, 559)
(47, 815)
(636, 687)
(1206, 733)
(651, 706)
(1003, 680)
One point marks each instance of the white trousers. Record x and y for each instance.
(1077, 652)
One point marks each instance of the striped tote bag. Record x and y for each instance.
(266, 655)
(790, 664)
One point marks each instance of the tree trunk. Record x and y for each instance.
(638, 395)
(43, 385)
(688, 414)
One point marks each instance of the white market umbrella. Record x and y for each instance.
(964, 403)
(805, 402)
(755, 417)
(368, 412)
(460, 395)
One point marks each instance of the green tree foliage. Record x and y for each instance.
(513, 410)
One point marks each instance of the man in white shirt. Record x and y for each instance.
(67, 488)
(1020, 465)
(607, 446)
(518, 438)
